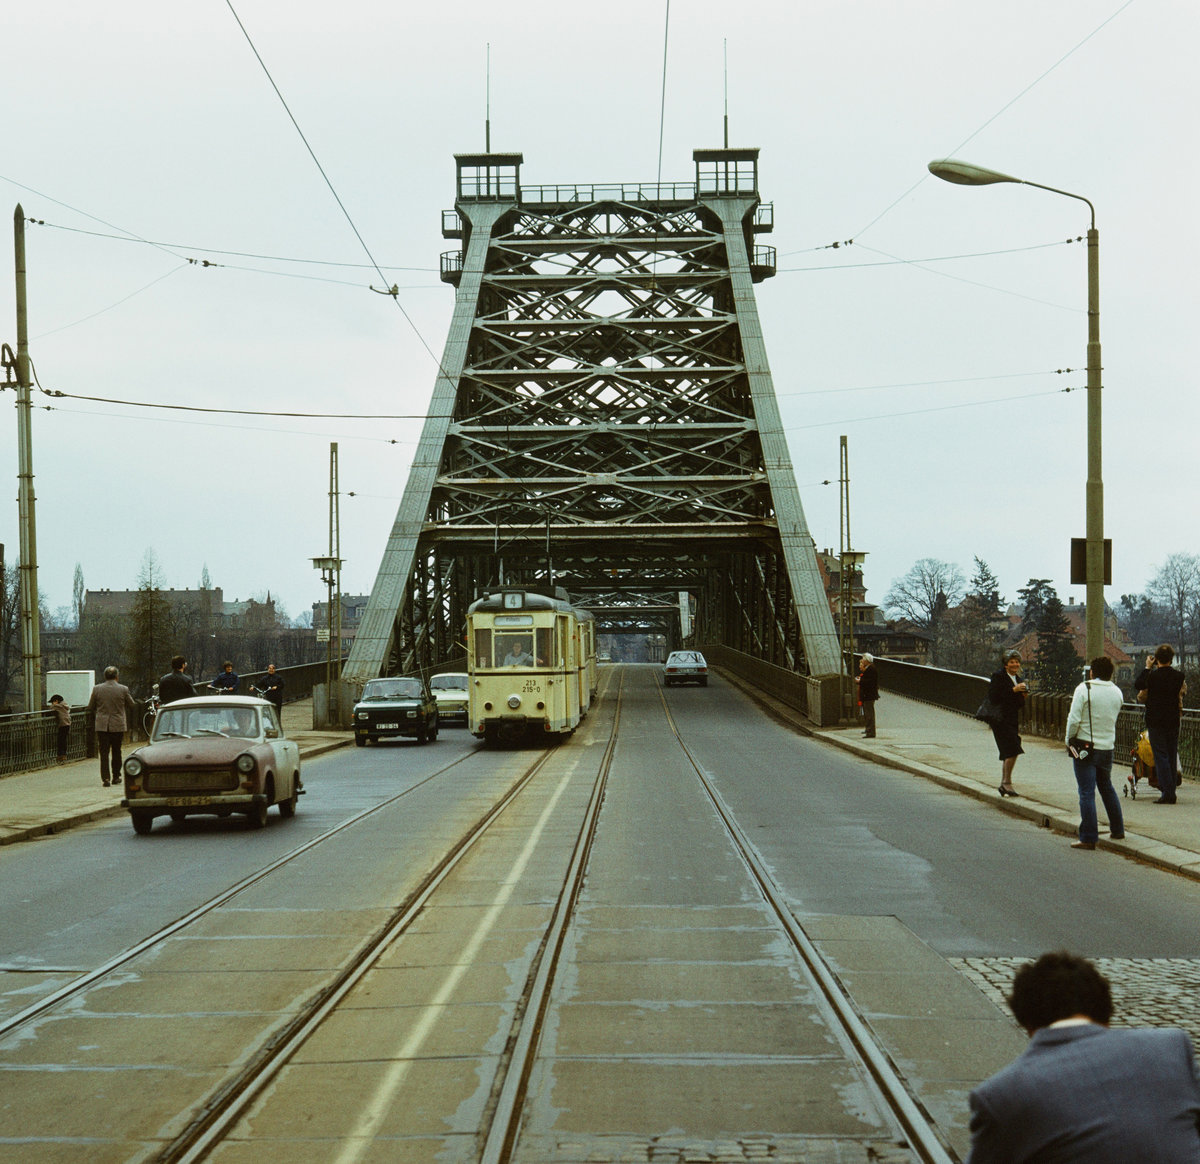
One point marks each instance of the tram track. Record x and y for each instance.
(273, 1076)
(500, 1130)
(919, 1129)
(80, 984)
(225, 1108)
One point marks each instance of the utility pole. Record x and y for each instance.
(335, 552)
(31, 649)
(331, 575)
(849, 566)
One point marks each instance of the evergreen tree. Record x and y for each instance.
(77, 593)
(985, 589)
(1058, 666)
(1034, 595)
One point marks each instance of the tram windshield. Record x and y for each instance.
(530, 647)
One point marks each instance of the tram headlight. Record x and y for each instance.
(514, 701)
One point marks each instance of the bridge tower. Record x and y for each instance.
(604, 420)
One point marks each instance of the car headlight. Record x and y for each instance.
(245, 763)
(361, 714)
(514, 701)
(133, 767)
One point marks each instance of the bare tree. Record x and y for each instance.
(966, 638)
(1176, 586)
(924, 594)
(150, 626)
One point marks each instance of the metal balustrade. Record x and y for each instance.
(28, 740)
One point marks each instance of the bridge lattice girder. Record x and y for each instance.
(603, 420)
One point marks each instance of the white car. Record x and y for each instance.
(685, 667)
(450, 691)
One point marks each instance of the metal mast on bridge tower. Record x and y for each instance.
(604, 396)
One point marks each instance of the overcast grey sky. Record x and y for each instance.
(934, 341)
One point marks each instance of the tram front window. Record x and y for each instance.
(518, 650)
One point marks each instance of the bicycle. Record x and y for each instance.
(151, 712)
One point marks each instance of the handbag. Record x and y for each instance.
(990, 712)
(1080, 748)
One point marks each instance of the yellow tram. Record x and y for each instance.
(532, 665)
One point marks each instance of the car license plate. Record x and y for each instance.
(384, 726)
(181, 800)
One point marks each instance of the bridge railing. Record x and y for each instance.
(1043, 715)
(818, 698)
(612, 192)
(28, 740)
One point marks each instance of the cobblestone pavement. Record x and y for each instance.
(1147, 992)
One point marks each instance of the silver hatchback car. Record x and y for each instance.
(685, 667)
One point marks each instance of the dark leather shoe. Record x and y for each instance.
(1163, 800)
(1083, 844)
(1118, 836)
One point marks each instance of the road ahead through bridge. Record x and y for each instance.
(628, 991)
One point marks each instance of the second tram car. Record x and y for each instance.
(532, 665)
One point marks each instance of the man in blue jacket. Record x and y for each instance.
(227, 681)
(1081, 1091)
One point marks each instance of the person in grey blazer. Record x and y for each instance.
(1081, 1091)
(109, 703)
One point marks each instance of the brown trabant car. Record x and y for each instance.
(213, 755)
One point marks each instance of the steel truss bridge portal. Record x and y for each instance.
(604, 421)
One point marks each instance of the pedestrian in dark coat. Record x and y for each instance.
(175, 684)
(868, 692)
(272, 689)
(1161, 688)
(1008, 690)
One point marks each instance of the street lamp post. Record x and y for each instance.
(965, 174)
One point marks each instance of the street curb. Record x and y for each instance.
(322, 749)
(1143, 849)
(50, 828)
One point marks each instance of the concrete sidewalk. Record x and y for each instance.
(958, 752)
(49, 800)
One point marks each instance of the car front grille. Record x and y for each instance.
(223, 780)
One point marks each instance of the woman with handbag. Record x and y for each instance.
(1008, 690)
(1091, 737)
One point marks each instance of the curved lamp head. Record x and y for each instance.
(965, 174)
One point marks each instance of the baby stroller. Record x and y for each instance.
(1141, 766)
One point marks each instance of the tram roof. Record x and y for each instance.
(529, 601)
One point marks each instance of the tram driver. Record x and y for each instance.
(518, 655)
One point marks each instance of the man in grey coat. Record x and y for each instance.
(109, 704)
(1081, 1091)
